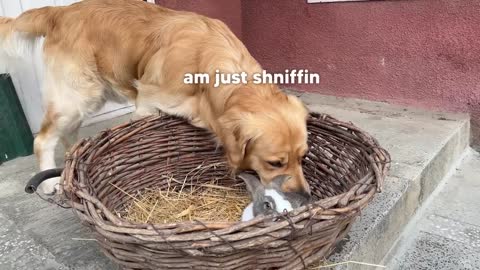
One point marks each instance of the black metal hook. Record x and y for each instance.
(38, 178)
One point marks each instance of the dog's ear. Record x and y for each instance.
(235, 138)
(243, 141)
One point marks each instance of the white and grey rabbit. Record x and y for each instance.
(269, 199)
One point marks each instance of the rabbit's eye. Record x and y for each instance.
(276, 164)
(267, 205)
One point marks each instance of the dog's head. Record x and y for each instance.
(265, 130)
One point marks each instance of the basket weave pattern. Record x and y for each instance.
(345, 168)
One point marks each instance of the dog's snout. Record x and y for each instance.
(306, 197)
(298, 187)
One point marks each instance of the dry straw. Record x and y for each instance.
(204, 202)
(141, 161)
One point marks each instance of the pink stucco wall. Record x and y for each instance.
(229, 11)
(423, 53)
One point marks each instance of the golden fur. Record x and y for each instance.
(96, 50)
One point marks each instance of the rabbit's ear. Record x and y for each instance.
(278, 181)
(252, 182)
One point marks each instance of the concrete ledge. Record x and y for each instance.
(424, 146)
(445, 231)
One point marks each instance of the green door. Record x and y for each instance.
(16, 139)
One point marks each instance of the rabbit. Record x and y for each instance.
(269, 199)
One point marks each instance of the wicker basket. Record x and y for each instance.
(345, 168)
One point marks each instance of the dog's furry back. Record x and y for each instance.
(95, 49)
(18, 36)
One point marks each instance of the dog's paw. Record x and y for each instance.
(161, 113)
(49, 186)
(136, 117)
(144, 112)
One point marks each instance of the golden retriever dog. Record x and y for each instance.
(129, 50)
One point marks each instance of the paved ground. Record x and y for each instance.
(37, 235)
(423, 145)
(445, 235)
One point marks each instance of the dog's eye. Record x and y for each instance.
(267, 205)
(276, 164)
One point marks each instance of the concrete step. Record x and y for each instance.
(423, 145)
(445, 232)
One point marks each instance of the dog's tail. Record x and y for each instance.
(18, 36)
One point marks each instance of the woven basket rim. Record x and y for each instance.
(72, 161)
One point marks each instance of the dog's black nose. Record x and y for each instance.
(307, 196)
(304, 198)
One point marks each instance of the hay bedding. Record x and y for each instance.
(209, 202)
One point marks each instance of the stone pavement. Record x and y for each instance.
(424, 146)
(445, 233)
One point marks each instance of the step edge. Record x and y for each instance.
(397, 245)
(456, 144)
